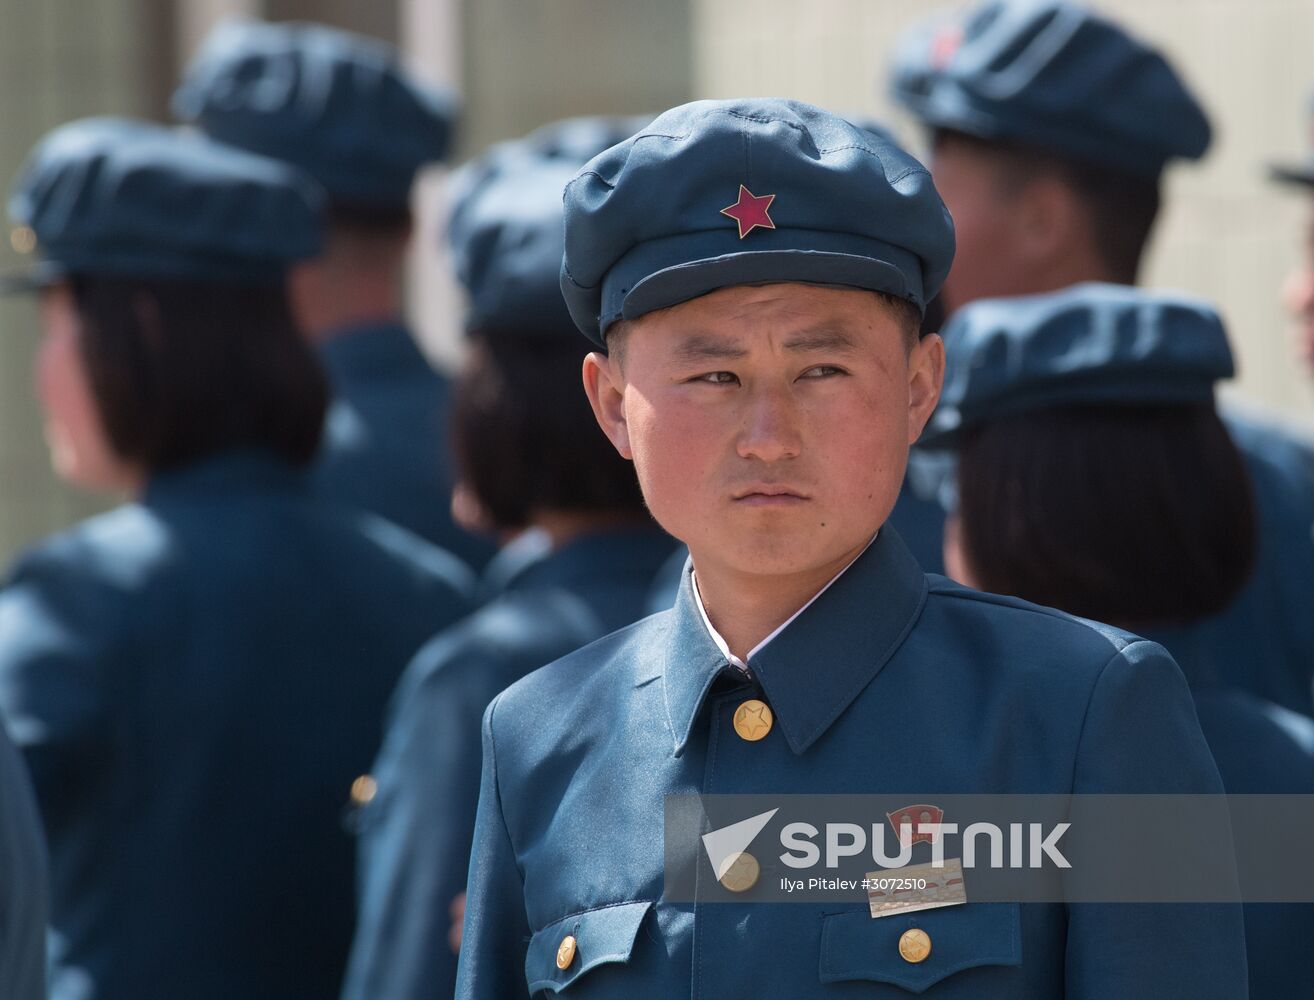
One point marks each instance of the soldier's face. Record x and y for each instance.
(1298, 298)
(769, 425)
(75, 434)
(987, 226)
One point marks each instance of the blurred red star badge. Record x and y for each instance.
(750, 211)
(909, 818)
(945, 44)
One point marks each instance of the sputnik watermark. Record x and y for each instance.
(1029, 844)
(987, 848)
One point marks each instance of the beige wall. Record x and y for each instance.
(59, 59)
(1226, 233)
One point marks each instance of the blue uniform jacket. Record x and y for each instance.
(385, 442)
(1261, 749)
(1264, 641)
(918, 514)
(888, 681)
(415, 833)
(195, 680)
(23, 892)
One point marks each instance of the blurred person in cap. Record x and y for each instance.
(195, 678)
(341, 108)
(1051, 129)
(1044, 397)
(533, 462)
(752, 274)
(1298, 289)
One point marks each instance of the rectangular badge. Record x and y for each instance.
(917, 887)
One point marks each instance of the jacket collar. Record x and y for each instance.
(812, 671)
(240, 470)
(612, 554)
(370, 350)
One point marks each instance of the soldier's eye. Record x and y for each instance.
(823, 371)
(717, 378)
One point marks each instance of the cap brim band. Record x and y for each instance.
(1286, 173)
(947, 424)
(667, 272)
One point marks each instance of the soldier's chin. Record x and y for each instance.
(774, 551)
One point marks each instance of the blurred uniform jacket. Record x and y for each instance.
(416, 832)
(1264, 640)
(888, 680)
(1261, 749)
(385, 444)
(23, 890)
(195, 680)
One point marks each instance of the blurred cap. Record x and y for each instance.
(338, 105)
(1053, 75)
(506, 227)
(1091, 343)
(115, 196)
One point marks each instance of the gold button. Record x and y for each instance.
(566, 952)
(753, 720)
(22, 239)
(742, 873)
(363, 789)
(915, 945)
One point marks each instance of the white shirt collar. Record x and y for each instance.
(724, 646)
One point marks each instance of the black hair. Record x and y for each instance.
(1132, 515)
(525, 437)
(369, 220)
(180, 370)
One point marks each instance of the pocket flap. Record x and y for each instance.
(602, 936)
(854, 946)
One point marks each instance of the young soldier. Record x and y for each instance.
(196, 677)
(343, 109)
(755, 271)
(1051, 130)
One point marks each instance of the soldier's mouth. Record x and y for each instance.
(767, 496)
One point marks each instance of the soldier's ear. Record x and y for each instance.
(925, 377)
(605, 387)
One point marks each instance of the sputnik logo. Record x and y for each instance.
(724, 846)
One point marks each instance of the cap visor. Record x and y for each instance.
(30, 279)
(1285, 173)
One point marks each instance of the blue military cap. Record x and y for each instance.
(116, 196)
(338, 105)
(505, 230)
(749, 191)
(1090, 343)
(1049, 74)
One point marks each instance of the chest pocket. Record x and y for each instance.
(854, 946)
(603, 936)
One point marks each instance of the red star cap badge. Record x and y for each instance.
(750, 211)
(945, 44)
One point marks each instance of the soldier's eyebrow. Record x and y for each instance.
(703, 347)
(820, 340)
